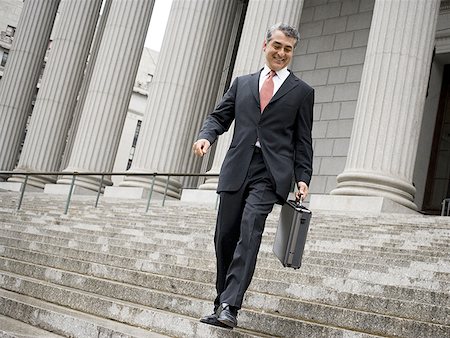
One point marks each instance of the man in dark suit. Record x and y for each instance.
(271, 145)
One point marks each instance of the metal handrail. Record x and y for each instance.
(74, 174)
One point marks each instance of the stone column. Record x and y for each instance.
(60, 84)
(21, 75)
(389, 110)
(95, 46)
(183, 86)
(110, 90)
(214, 87)
(261, 14)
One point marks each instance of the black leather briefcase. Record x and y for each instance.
(291, 234)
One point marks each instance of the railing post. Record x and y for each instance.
(99, 190)
(70, 193)
(445, 204)
(150, 193)
(165, 190)
(22, 192)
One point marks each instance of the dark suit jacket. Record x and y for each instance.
(283, 129)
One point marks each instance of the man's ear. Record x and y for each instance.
(264, 45)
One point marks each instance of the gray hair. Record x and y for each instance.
(286, 29)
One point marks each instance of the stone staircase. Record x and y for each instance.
(116, 271)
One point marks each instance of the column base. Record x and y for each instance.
(367, 205)
(361, 183)
(126, 192)
(134, 193)
(16, 186)
(91, 183)
(210, 184)
(144, 182)
(63, 189)
(199, 196)
(35, 181)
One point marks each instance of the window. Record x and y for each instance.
(4, 58)
(10, 31)
(133, 146)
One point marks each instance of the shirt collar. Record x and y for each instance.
(282, 73)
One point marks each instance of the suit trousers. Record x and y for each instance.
(240, 223)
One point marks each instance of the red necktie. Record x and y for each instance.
(266, 92)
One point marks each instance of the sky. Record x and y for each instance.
(158, 24)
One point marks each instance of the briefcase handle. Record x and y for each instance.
(298, 205)
(299, 201)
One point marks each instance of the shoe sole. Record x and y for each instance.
(217, 323)
(228, 323)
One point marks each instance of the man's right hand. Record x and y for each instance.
(200, 147)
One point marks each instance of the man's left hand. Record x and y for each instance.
(302, 190)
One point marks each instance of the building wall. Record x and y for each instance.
(439, 186)
(136, 109)
(330, 58)
(9, 16)
(10, 13)
(125, 151)
(427, 131)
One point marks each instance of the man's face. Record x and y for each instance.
(278, 50)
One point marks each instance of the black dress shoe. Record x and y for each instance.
(228, 315)
(212, 320)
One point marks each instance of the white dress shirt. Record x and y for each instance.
(278, 79)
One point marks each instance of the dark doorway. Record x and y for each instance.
(438, 179)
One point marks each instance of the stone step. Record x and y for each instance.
(202, 242)
(175, 270)
(130, 207)
(167, 322)
(414, 242)
(63, 322)
(173, 213)
(274, 302)
(346, 223)
(34, 201)
(428, 270)
(74, 323)
(175, 255)
(135, 246)
(151, 263)
(207, 276)
(12, 328)
(386, 275)
(433, 265)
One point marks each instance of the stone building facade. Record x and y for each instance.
(9, 16)
(379, 68)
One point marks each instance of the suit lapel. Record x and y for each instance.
(290, 83)
(254, 85)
